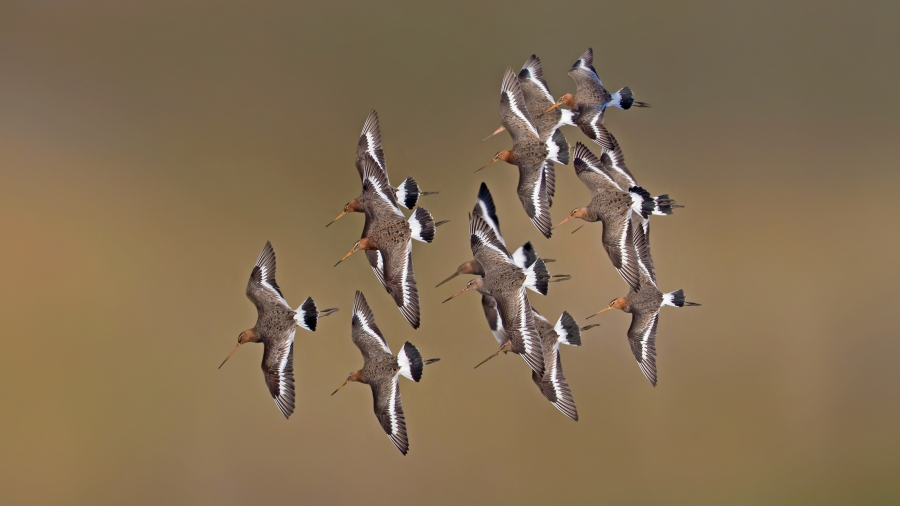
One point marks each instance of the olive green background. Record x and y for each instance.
(149, 149)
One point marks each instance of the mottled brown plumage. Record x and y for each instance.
(528, 153)
(644, 302)
(389, 235)
(369, 145)
(275, 327)
(505, 282)
(381, 370)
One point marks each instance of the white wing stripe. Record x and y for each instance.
(516, 109)
(368, 330)
(406, 281)
(540, 86)
(536, 197)
(370, 148)
(523, 329)
(392, 405)
(487, 218)
(487, 242)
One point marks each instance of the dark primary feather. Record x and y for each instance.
(642, 337)
(391, 416)
(513, 111)
(370, 144)
(278, 369)
(365, 333)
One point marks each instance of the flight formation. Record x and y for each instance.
(534, 121)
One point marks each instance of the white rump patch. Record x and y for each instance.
(416, 227)
(401, 193)
(561, 332)
(519, 257)
(567, 118)
(531, 278)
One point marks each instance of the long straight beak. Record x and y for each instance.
(334, 220)
(598, 312)
(230, 354)
(485, 360)
(563, 221)
(502, 128)
(577, 229)
(554, 106)
(486, 166)
(347, 255)
(457, 294)
(448, 279)
(340, 387)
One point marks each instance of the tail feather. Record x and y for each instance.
(562, 155)
(410, 361)
(525, 256)
(641, 201)
(622, 98)
(537, 278)
(567, 330)
(663, 205)
(422, 225)
(408, 193)
(307, 315)
(676, 299)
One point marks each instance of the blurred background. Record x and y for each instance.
(148, 150)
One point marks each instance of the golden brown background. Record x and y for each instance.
(148, 151)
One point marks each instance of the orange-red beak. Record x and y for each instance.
(502, 128)
(457, 294)
(230, 354)
(598, 312)
(563, 221)
(334, 220)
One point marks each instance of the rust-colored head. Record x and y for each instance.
(247, 336)
(470, 267)
(354, 376)
(354, 206)
(568, 100)
(476, 284)
(578, 212)
(501, 156)
(617, 303)
(506, 156)
(363, 243)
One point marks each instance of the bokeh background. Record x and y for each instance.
(149, 149)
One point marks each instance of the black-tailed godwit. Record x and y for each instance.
(391, 235)
(644, 302)
(591, 98)
(275, 325)
(612, 204)
(407, 194)
(528, 153)
(381, 371)
(505, 282)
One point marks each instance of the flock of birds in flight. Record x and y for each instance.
(533, 120)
